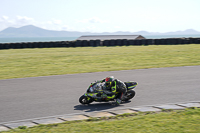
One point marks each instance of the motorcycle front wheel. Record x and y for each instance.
(85, 100)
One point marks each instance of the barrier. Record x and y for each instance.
(112, 42)
(150, 41)
(194, 40)
(106, 42)
(96, 43)
(131, 42)
(138, 42)
(85, 43)
(78, 43)
(124, 42)
(63, 44)
(92, 43)
(6, 46)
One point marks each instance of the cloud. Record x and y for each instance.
(55, 21)
(53, 24)
(3, 18)
(19, 21)
(92, 20)
(58, 22)
(67, 28)
(5, 22)
(23, 20)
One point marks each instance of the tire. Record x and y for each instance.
(129, 95)
(84, 100)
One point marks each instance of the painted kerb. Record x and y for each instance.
(96, 114)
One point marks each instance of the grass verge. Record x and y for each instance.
(20, 63)
(181, 121)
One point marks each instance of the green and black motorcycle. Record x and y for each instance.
(95, 92)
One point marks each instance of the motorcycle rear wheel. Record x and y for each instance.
(129, 95)
(85, 100)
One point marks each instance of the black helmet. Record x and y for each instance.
(109, 80)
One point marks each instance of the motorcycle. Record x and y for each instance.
(95, 92)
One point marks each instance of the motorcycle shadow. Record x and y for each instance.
(98, 106)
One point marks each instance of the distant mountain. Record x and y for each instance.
(189, 31)
(33, 31)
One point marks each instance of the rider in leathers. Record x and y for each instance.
(112, 86)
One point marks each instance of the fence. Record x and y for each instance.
(96, 43)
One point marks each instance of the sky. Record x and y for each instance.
(102, 15)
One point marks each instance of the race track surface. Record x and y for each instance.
(28, 98)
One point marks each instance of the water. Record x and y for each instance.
(49, 39)
(36, 39)
(171, 36)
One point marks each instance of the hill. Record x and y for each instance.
(33, 31)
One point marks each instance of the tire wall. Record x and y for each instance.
(96, 43)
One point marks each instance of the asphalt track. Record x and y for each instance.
(28, 98)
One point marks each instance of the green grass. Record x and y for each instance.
(20, 63)
(185, 121)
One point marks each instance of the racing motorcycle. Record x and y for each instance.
(95, 92)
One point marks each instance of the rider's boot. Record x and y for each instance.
(118, 101)
(120, 98)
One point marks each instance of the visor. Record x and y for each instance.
(108, 84)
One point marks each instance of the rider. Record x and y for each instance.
(112, 86)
